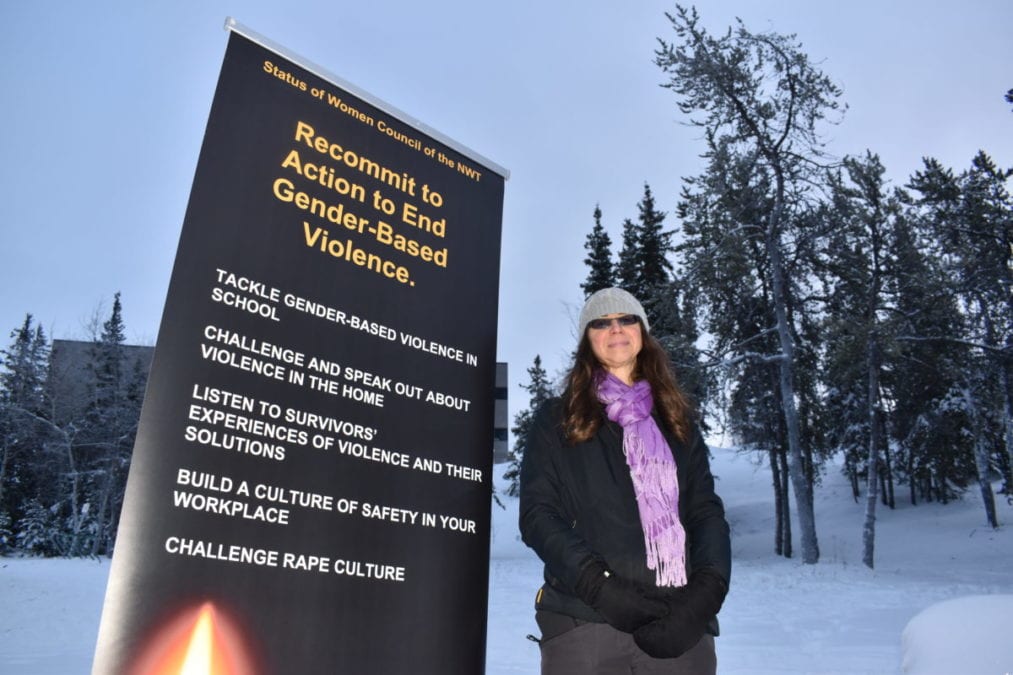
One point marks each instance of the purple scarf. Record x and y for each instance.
(655, 481)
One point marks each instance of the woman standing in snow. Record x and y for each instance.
(617, 498)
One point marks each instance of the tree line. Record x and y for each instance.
(811, 308)
(67, 430)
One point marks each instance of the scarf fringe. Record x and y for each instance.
(655, 477)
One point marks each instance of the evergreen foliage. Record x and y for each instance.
(67, 436)
(110, 425)
(760, 103)
(643, 267)
(859, 329)
(924, 371)
(626, 272)
(22, 405)
(599, 258)
(844, 317)
(654, 244)
(969, 218)
(539, 391)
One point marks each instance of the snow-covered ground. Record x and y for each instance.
(780, 617)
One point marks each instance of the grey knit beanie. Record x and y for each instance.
(611, 301)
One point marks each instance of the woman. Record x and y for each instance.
(617, 499)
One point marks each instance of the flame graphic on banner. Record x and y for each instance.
(197, 642)
(200, 652)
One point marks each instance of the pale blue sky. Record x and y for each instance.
(104, 107)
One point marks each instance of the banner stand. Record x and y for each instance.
(310, 486)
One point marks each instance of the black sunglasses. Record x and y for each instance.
(624, 320)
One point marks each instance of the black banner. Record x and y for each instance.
(310, 486)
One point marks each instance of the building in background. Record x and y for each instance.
(71, 381)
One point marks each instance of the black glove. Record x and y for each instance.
(690, 609)
(620, 602)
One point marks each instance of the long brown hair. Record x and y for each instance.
(582, 411)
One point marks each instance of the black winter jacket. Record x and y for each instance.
(578, 501)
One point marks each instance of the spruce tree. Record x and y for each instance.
(672, 310)
(22, 406)
(598, 259)
(971, 216)
(539, 391)
(654, 245)
(985, 261)
(102, 449)
(723, 268)
(107, 359)
(643, 267)
(858, 329)
(758, 98)
(925, 370)
(627, 271)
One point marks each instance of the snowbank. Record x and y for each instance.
(969, 635)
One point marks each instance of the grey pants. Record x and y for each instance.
(600, 649)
